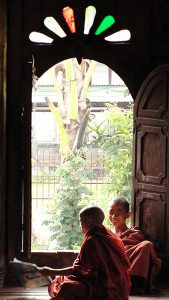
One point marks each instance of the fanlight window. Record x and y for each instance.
(69, 17)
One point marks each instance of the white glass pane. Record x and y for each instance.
(89, 18)
(54, 26)
(120, 36)
(40, 38)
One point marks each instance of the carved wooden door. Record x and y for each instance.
(150, 192)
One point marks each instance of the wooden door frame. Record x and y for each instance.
(3, 57)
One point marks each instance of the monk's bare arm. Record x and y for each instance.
(47, 271)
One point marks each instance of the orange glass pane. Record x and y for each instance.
(68, 15)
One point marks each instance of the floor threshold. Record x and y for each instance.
(19, 293)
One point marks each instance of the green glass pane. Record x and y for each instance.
(107, 22)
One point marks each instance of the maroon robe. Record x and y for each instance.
(142, 256)
(100, 271)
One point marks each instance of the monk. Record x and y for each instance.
(100, 271)
(141, 253)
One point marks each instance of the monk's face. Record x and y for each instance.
(118, 215)
(85, 224)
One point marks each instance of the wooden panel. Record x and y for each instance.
(151, 216)
(151, 152)
(153, 99)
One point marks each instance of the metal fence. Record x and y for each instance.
(45, 162)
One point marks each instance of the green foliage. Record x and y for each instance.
(114, 137)
(71, 195)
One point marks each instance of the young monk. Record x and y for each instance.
(100, 271)
(144, 263)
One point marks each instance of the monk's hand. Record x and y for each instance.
(44, 270)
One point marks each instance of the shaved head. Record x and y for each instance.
(94, 213)
(120, 200)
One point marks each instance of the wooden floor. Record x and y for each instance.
(41, 293)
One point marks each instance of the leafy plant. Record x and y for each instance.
(114, 137)
(71, 195)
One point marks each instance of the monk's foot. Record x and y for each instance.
(154, 291)
(136, 291)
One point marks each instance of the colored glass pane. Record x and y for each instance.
(54, 26)
(107, 22)
(89, 18)
(119, 36)
(39, 38)
(68, 15)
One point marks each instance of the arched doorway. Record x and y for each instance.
(85, 121)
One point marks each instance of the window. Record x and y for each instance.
(58, 111)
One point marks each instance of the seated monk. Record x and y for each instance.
(100, 271)
(141, 253)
